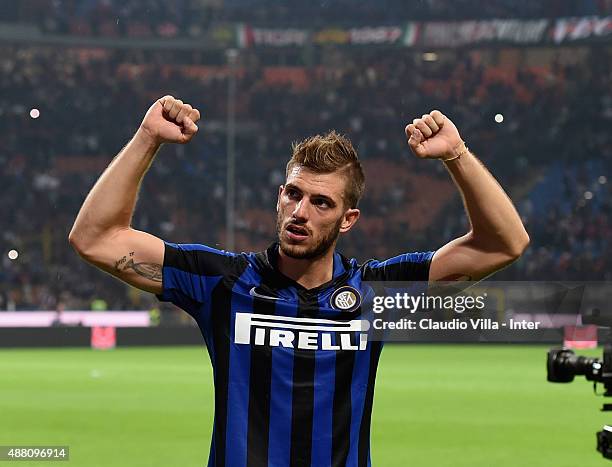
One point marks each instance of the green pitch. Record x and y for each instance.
(435, 406)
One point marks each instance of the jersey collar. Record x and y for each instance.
(268, 260)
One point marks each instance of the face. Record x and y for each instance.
(311, 213)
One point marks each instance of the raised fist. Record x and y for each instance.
(170, 120)
(433, 136)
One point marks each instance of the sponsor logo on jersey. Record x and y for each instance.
(345, 298)
(300, 333)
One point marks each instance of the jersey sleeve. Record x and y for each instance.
(405, 267)
(190, 272)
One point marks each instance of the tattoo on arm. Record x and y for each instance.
(151, 271)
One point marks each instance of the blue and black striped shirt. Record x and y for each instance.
(294, 378)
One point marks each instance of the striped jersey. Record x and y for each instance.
(293, 373)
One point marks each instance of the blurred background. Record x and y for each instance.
(529, 85)
(529, 88)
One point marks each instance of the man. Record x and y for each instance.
(294, 383)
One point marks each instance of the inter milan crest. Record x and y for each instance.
(346, 298)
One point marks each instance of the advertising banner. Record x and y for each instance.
(438, 34)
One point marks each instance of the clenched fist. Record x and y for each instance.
(170, 120)
(434, 136)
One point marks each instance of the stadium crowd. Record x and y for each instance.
(556, 121)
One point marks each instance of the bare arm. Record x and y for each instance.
(497, 236)
(102, 232)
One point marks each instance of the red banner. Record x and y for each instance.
(103, 338)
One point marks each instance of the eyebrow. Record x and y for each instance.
(315, 195)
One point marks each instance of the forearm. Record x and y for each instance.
(495, 223)
(110, 204)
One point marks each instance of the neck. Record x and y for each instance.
(309, 273)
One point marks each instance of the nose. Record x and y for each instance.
(300, 211)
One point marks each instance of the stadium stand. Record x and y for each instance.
(135, 18)
(92, 99)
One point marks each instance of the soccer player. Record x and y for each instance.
(294, 377)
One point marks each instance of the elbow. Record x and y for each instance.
(73, 238)
(76, 240)
(518, 246)
(91, 244)
(81, 243)
(508, 248)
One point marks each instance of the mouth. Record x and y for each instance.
(296, 232)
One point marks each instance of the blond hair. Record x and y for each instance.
(330, 153)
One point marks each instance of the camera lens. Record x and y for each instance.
(563, 364)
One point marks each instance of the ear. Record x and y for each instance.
(349, 219)
(280, 192)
